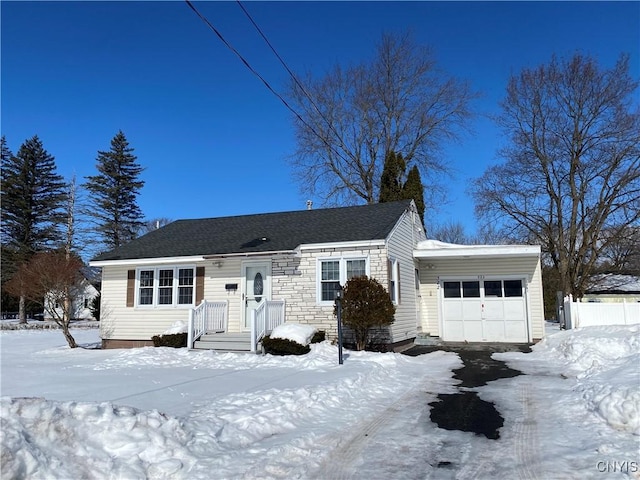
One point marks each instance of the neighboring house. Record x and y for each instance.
(84, 293)
(247, 273)
(612, 287)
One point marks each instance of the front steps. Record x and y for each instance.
(225, 342)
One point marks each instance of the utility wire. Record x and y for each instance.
(293, 76)
(252, 70)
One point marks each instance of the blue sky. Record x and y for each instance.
(213, 140)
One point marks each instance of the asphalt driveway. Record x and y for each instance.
(465, 411)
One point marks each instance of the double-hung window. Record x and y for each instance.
(166, 286)
(335, 272)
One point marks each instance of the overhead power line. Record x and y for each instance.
(293, 76)
(266, 84)
(264, 81)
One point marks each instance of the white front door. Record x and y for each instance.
(257, 288)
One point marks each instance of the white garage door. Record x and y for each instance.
(490, 310)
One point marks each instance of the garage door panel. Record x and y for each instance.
(470, 309)
(494, 309)
(484, 311)
(473, 331)
(494, 330)
(454, 331)
(514, 309)
(515, 331)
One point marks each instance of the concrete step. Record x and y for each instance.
(425, 339)
(228, 342)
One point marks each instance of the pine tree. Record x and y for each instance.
(113, 194)
(391, 179)
(414, 190)
(33, 198)
(392, 187)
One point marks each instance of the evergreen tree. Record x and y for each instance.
(414, 190)
(33, 198)
(393, 188)
(392, 177)
(113, 192)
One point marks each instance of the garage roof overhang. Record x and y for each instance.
(436, 249)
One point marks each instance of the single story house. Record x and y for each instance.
(612, 288)
(243, 275)
(86, 290)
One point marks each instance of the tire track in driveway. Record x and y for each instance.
(341, 463)
(526, 439)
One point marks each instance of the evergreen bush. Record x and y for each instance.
(282, 346)
(318, 337)
(175, 340)
(365, 304)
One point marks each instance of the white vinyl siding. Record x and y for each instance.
(400, 245)
(119, 322)
(434, 270)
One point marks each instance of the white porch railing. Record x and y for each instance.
(268, 315)
(579, 314)
(206, 317)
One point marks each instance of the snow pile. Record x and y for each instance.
(166, 413)
(295, 332)
(177, 327)
(605, 360)
(40, 437)
(155, 413)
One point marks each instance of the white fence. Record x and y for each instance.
(578, 314)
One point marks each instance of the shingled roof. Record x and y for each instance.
(268, 232)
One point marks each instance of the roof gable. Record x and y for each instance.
(268, 232)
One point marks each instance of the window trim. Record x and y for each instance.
(343, 273)
(175, 287)
(394, 280)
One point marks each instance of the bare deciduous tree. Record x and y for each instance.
(353, 117)
(622, 251)
(571, 169)
(450, 232)
(52, 280)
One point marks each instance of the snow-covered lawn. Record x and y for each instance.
(170, 413)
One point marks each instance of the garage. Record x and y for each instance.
(484, 310)
(479, 293)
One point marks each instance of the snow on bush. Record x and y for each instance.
(177, 327)
(295, 332)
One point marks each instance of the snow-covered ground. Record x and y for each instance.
(170, 413)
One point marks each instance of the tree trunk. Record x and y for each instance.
(22, 311)
(67, 334)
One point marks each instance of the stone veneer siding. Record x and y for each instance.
(294, 279)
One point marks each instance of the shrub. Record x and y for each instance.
(365, 304)
(175, 340)
(318, 337)
(282, 346)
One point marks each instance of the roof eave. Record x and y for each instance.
(147, 261)
(497, 251)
